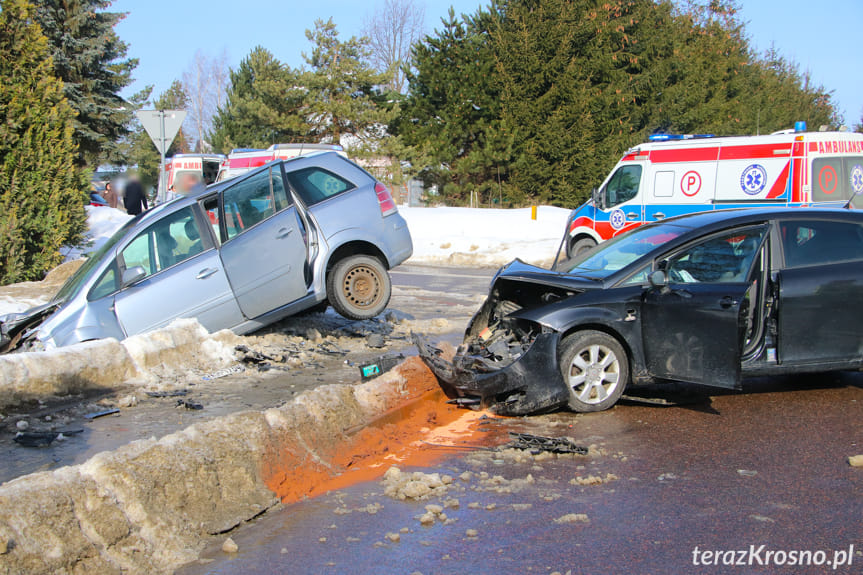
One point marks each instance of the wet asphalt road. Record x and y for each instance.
(766, 466)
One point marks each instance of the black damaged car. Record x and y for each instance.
(707, 298)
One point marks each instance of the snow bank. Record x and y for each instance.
(181, 347)
(102, 222)
(149, 506)
(484, 237)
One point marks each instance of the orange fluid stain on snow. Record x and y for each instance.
(416, 434)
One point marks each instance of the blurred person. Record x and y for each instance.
(135, 200)
(185, 183)
(110, 195)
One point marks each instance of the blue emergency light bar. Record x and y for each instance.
(668, 137)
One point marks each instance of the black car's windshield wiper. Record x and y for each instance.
(582, 276)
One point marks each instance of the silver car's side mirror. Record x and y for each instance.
(658, 279)
(133, 275)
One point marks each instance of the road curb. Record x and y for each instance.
(149, 506)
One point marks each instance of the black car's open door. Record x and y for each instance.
(692, 332)
(692, 326)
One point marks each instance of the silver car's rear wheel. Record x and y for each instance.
(595, 368)
(359, 287)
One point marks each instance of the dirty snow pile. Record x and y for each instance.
(484, 237)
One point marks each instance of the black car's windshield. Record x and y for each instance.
(619, 252)
(74, 283)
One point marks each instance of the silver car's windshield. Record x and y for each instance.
(74, 283)
(619, 252)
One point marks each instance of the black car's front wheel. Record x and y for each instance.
(595, 368)
(359, 287)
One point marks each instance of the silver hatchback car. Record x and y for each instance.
(240, 254)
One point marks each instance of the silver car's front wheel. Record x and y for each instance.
(595, 368)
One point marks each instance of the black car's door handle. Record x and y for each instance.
(727, 302)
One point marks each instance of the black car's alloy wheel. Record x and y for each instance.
(595, 368)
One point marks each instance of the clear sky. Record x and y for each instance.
(822, 37)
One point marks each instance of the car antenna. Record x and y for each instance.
(560, 247)
(849, 205)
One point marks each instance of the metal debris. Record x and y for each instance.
(537, 443)
(42, 438)
(330, 348)
(256, 357)
(239, 368)
(173, 393)
(189, 404)
(101, 413)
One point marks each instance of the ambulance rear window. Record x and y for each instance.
(837, 179)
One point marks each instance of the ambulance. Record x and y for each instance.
(241, 160)
(675, 175)
(205, 168)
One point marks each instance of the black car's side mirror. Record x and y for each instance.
(133, 275)
(658, 279)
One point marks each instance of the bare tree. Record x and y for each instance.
(392, 30)
(205, 82)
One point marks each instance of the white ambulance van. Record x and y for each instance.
(675, 175)
(241, 160)
(205, 168)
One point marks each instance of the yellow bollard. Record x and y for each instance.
(533, 212)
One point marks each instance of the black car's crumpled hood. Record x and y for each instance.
(508, 361)
(517, 270)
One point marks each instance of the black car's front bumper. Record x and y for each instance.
(530, 384)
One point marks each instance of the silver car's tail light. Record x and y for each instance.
(385, 199)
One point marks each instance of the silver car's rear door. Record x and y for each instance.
(264, 252)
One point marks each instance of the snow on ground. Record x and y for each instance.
(102, 222)
(484, 237)
(10, 304)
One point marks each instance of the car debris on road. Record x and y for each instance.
(42, 438)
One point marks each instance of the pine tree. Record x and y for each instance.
(91, 61)
(342, 95)
(265, 105)
(451, 121)
(574, 79)
(42, 192)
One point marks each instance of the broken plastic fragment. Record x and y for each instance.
(538, 443)
(101, 413)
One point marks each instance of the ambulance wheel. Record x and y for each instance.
(359, 287)
(595, 369)
(577, 247)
